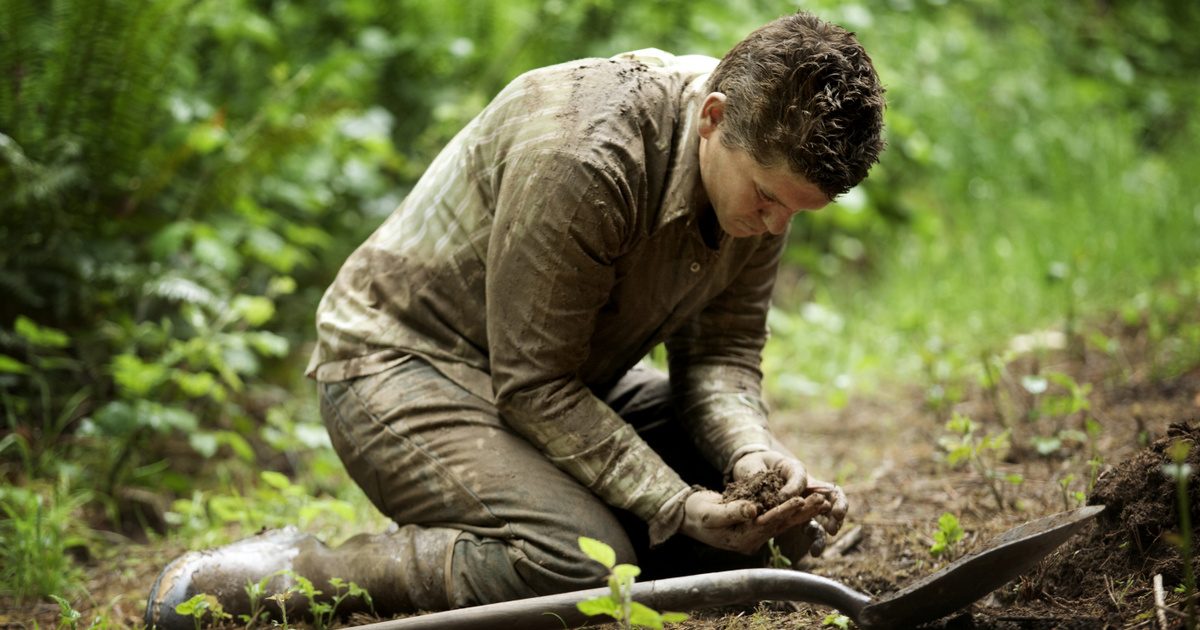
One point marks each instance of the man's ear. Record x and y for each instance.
(712, 110)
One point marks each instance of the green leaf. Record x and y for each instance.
(169, 240)
(674, 617)
(203, 443)
(598, 551)
(626, 571)
(276, 480)
(164, 417)
(135, 377)
(115, 419)
(268, 344)
(237, 444)
(206, 137)
(40, 335)
(603, 605)
(643, 615)
(194, 385)
(9, 365)
(254, 309)
(1046, 444)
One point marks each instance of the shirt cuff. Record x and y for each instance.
(667, 521)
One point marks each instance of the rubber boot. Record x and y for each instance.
(402, 571)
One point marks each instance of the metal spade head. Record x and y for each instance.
(971, 577)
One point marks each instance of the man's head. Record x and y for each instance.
(795, 108)
(803, 91)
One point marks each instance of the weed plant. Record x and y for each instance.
(619, 604)
(1179, 470)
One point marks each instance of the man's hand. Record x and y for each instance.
(792, 470)
(737, 526)
(797, 484)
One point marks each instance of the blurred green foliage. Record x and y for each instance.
(182, 178)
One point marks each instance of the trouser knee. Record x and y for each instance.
(486, 570)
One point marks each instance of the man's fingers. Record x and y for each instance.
(793, 512)
(728, 514)
(796, 475)
(819, 538)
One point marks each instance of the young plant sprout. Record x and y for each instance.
(619, 603)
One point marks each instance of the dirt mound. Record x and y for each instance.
(761, 489)
(1132, 540)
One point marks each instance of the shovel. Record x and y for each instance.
(956, 585)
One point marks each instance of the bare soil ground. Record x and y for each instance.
(885, 451)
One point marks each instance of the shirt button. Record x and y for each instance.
(695, 267)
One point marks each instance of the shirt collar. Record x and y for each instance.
(683, 182)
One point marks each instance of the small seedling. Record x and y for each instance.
(1179, 470)
(200, 605)
(324, 612)
(778, 559)
(282, 598)
(949, 533)
(1068, 495)
(619, 603)
(962, 444)
(836, 620)
(68, 617)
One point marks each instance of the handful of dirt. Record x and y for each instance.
(762, 489)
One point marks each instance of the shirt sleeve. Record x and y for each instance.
(560, 223)
(715, 364)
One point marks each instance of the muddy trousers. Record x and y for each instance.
(483, 515)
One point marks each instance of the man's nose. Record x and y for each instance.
(776, 220)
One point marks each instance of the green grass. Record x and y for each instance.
(1037, 196)
(37, 527)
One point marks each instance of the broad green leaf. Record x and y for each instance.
(1046, 444)
(268, 344)
(281, 285)
(9, 365)
(276, 480)
(206, 137)
(237, 444)
(643, 615)
(674, 617)
(215, 253)
(603, 605)
(194, 385)
(135, 377)
(626, 571)
(41, 335)
(254, 309)
(598, 551)
(115, 419)
(203, 443)
(164, 417)
(169, 240)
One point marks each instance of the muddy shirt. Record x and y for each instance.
(551, 244)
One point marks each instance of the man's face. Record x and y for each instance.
(749, 199)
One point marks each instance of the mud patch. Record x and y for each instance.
(762, 489)
(1131, 541)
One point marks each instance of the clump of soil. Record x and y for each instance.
(762, 489)
(1129, 542)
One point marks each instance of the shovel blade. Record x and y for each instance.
(973, 576)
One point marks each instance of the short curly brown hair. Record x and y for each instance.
(803, 90)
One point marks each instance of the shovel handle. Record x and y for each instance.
(707, 590)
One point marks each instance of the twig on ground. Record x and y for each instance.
(1160, 602)
(844, 543)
